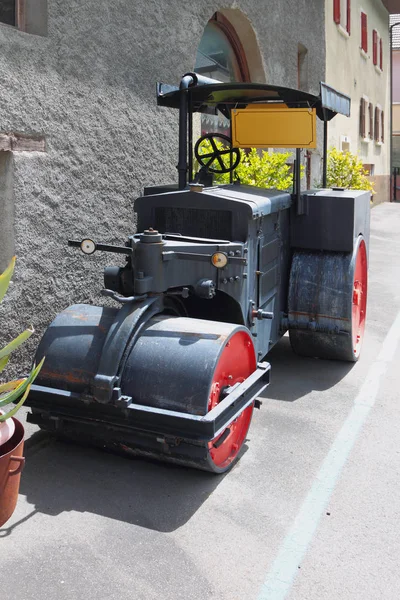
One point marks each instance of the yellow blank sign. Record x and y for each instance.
(274, 126)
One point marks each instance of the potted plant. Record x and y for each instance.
(11, 430)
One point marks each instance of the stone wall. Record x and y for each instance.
(87, 88)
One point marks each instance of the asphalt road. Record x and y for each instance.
(311, 512)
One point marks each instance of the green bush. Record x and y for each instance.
(265, 169)
(345, 169)
(14, 391)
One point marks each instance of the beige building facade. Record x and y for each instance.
(358, 64)
(394, 19)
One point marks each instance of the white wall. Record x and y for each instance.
(352, 72)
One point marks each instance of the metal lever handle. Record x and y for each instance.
(92, 246)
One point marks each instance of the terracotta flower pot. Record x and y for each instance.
(11, 464)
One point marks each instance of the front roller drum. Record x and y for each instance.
(171, 365)
(189, 365)
(328, 303)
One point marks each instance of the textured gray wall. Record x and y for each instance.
(89, 88)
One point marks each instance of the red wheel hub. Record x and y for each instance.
(359, 307)
(236, 363)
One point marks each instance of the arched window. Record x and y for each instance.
(220, 55)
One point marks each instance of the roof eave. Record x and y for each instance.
(392, 6)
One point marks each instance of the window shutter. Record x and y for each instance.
(376, 136)
(382, 126)
(348, 21)
(380, 55)
(362, 118)
(371, 121)
(364, 32)
(375, 47)
(336, 11)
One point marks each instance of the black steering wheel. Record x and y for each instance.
(207, 159)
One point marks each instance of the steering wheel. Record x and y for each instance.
(215, 156)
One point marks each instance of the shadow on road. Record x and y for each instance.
(60, 476)
(293, 377)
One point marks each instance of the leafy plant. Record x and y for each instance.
(265, 169)
(14, 391)
(345, 169)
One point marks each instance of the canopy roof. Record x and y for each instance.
(224, 96)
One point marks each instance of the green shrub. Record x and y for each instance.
(14, 391)
(265, 169)
(345, 169)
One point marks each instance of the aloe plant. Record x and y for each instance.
(15, 391)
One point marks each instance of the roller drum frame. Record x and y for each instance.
(178, 389)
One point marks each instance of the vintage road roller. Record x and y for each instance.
(214, 277)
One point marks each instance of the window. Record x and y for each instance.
(220, 55)
(377, 122)
(364, 32)
(29, 16)
(371, 121)
(375, 47)
(370, 167)
(379, 136)
(342, 13)
(363, 110)
(377, 50)
(9, 12)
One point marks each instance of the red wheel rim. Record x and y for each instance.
(236, 363)
(359, 308)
